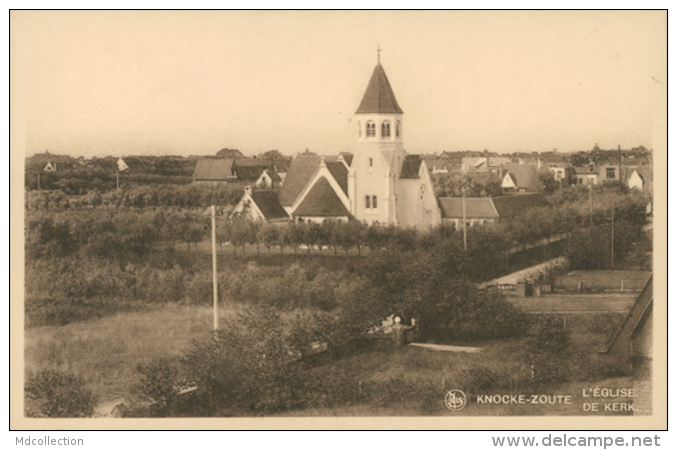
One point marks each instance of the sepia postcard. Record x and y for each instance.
(338, 220)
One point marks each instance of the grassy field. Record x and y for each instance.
(105, 352)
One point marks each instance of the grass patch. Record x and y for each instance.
(105, 352)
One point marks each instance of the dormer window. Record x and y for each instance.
(398, 130)
(359, 129)
(385, 129)
(371, 129)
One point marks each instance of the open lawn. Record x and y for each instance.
(576, 303)
(106, 351)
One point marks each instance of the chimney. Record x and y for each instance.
(248, 190)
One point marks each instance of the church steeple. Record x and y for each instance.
(379, 97)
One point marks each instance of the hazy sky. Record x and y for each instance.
(119, 83)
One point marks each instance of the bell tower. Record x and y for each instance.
(379, 152)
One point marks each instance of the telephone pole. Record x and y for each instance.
(620, 174)
(216, 285)
(612, 233)
(590, 196)
(465, 234)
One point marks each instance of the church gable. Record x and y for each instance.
(321, 201)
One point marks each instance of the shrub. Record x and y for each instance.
(549, 352)
(60, 395)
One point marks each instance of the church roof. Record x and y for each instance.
(321, 201)
(301, 169)
(379, 97)
(410, 167)
(340, 174)
(269, 205)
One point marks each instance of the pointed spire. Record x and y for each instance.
(379, 97)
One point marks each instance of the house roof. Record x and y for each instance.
(524, 176)
(410, 167)
(475, 208)
(513, 205)
(213, 169)
(499, 160)
(251, 162)
(301, 169)
(321, 201)
(474, 161)
(585, 170)
(379, 97)
(274, 177)
(340, 174)
(269, 205)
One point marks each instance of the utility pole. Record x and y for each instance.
(117, 180)
(620, 174)
(612, 233)
(39, 191)
(216, 286)
(465, 234)
(590, 196)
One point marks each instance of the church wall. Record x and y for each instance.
(416, 202)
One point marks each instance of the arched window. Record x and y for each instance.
(367, 203)
(398, 130)
(359, 129)
(385, 129)
(371, 162)
(371, 129)
(373, 202)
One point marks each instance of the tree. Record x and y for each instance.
(352, 234)
(269, 235)
(293, 235)
(331, 234)
(239, 231)
(548, 181)
(60, 394)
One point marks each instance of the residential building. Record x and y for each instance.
(521, 178)
(482, 210)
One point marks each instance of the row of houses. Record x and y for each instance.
(301, 199)
(261, 172)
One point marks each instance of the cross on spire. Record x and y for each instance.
(378, 53)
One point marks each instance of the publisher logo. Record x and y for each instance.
(455, 400)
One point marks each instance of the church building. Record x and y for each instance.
(379, 183)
